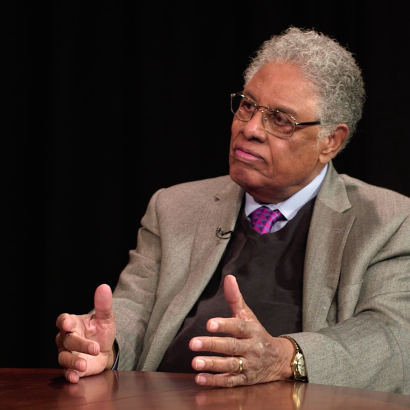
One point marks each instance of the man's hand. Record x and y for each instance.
(265, 358)
(85, 343)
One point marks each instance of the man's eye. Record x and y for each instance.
(279, 118)
(247, 106)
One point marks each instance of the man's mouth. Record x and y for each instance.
(247, 155)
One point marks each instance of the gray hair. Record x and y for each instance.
(328, 65)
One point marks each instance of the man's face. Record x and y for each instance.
(269, 168)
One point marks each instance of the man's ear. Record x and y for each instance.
(333, 143)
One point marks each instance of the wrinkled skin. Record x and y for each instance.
(265, 358)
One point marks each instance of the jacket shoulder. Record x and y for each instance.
(197, 190)
(358, 190)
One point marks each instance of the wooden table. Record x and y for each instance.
(46, 389)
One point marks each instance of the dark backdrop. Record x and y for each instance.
(101, 105)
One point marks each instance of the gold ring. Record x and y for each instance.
(240, 362)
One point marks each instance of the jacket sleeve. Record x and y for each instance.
(135, 293)
(371, 348)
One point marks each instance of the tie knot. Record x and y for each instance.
(263, 218)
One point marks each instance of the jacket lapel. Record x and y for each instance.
(221, 211)
(328, 232)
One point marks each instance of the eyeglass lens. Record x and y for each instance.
(274, 121)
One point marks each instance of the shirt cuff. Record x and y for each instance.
(117, 357)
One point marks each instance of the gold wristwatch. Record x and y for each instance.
(298, 362)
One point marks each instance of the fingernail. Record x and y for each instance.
(197, 344)
(79, 365)
(91, 349)
(213, 325)
(200, 364)
(200, 379)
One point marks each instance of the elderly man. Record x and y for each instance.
(282, 270)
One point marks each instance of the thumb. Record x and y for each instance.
(236, 301)
(103, 302)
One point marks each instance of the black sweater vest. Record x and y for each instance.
(269, 271)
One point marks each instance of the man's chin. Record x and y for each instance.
(244, 176)
(244, 179)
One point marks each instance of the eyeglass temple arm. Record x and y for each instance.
(307, 123)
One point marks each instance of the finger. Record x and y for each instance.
(224, 345)
(71, 375)
(66, 322)
(236, 327)
(72, 361)
(217, 364)
(235, 299)
(72, 342)
(103, 303)
(221, 380)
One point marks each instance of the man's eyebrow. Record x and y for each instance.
(285, 110)
(249, 95)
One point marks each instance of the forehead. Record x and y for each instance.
(283, 85)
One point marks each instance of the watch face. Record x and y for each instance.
(300, 365)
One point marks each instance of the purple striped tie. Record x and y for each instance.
(262, 219)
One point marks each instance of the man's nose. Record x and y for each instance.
(254, 127)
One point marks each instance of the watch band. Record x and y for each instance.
(298, 361)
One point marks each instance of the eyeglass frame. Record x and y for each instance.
(273, 110)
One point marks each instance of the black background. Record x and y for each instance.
(101, 106)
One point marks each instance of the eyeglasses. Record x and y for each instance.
(275, 122)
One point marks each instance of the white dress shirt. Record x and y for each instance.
(291, 206)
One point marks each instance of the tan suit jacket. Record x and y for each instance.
(356, 296)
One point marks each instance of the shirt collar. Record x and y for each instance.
(291, 206)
